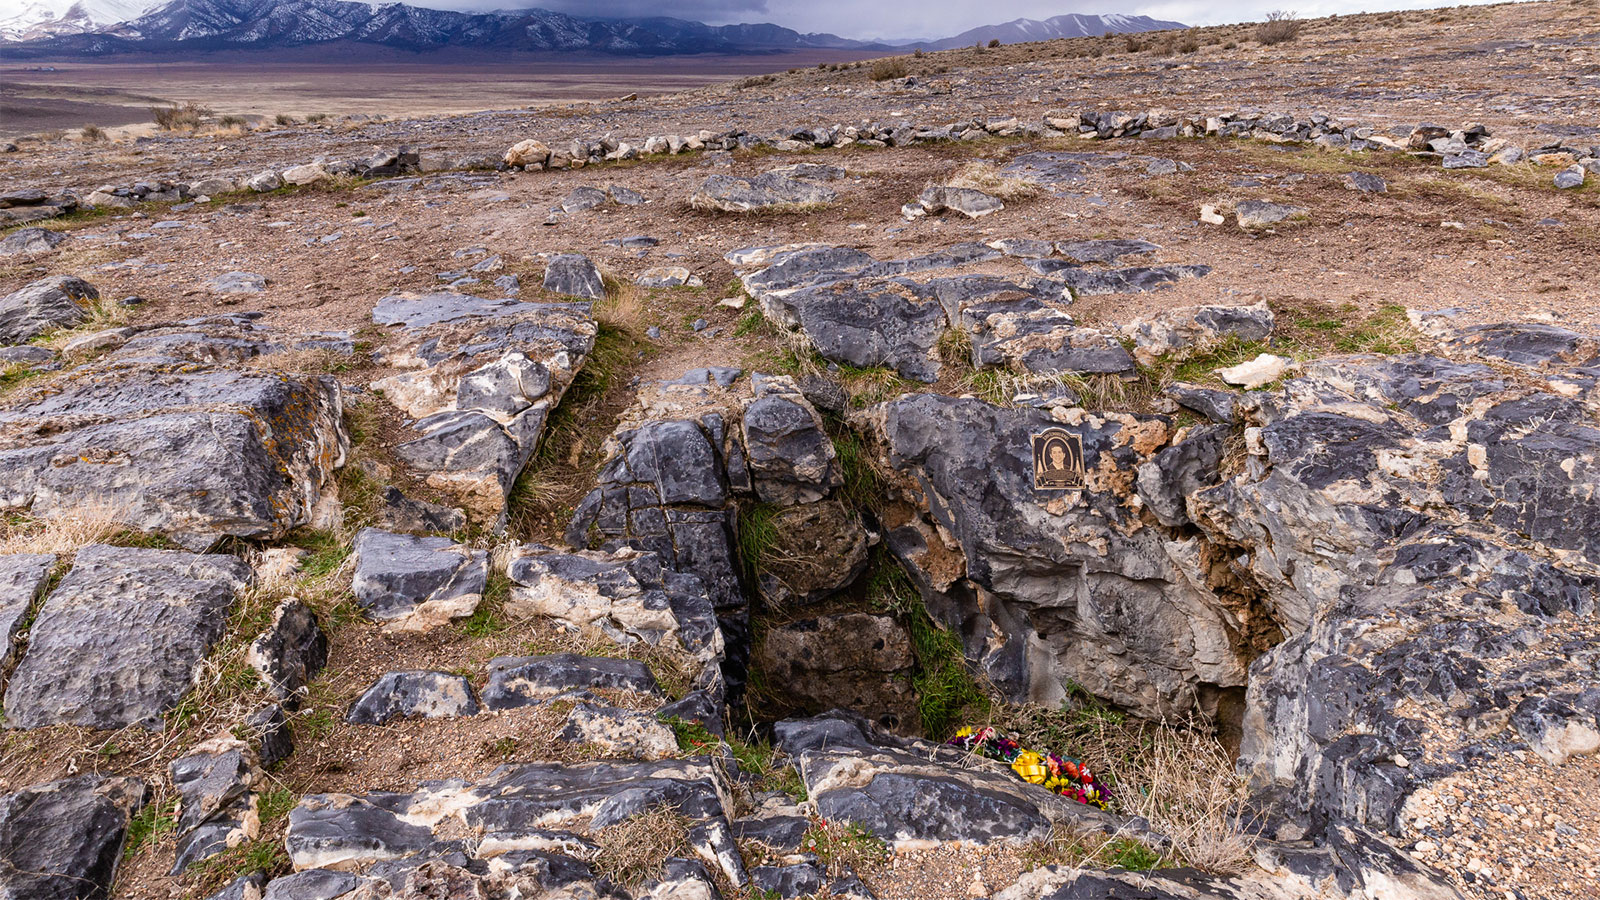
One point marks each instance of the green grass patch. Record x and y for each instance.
(150, 825)
(863, 484)
(758, 534)
(489, 618)
(760, 760)
(1387, 331)
(947, 694)
(753, 322)
(843, 846)
(327, 551)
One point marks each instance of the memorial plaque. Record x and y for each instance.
(1058, 460)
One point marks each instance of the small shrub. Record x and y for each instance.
(317, 117)
(1281, 27)
(993, 43)
(918, 53)
(179, 118)
(231, 121)
(1188, 45)
(283, 119)
(888, 69)
(1132, 44)
(93, 133)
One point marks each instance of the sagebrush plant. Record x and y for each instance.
(889, 69)
(179, 118)
(1280, 27)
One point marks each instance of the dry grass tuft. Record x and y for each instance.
(1176, 775)
(633, 851)
(984, 177)
(59, 535)
(102, 314)
(179, 118)
(1186, 786)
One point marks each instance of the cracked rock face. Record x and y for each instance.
(683, 460)
(120, 639)
(1387, 586)
(1117, 606)
(482, 377)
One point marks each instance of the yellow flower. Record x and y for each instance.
(1030, 766)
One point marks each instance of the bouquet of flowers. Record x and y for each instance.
(1063, 775)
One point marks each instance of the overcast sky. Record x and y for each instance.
(906, 19)
(943, 18)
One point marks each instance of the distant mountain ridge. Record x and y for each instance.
(210, 25)
(1071, 25)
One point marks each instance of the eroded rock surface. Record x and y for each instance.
(159, 436)
(63, 840)
(119, 640)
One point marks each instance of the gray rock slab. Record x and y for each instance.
(191, 452)
(1261, 213)
(402, 575)
(905, 791)
(397, 695)
(1104, 251)
(238, 283)
(41, 306)
(726, 193)
(120, 639)
(291, 651)
(574, 275)
(516, 681)
(22, 577)
(28, 241)
(64, 840)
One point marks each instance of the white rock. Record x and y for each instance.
(310, 173)
(1210, 216)
(1262, 370)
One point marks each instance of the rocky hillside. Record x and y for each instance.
(611, 502)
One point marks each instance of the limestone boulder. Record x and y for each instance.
(415, 583)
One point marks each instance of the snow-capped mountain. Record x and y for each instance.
(190, 25)
(104, 27)
(48, 18)
(1067, 26)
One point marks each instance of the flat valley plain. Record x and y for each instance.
(59, 95)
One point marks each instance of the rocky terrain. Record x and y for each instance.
(627, 501)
